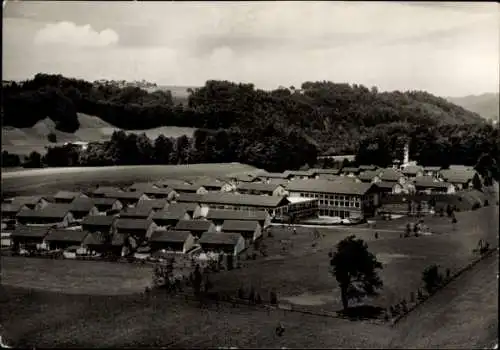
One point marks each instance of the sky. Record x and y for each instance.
(449, 49)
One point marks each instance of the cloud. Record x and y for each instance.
(68, 33)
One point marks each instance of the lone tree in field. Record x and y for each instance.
(355, 267)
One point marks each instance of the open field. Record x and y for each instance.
(301, 276)
(22, 141)
(50, 180)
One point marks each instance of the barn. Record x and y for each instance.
(138, 228)
(229, 243)
(63, 239)
(29, 237)
(52, 215)
(99, 223)
(83, 206)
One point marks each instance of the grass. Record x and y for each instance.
(51, 180)
(23, 141)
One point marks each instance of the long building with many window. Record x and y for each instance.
(345, 199)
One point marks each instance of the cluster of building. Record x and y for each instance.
(225, 214)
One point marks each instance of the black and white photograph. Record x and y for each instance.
(250, 174)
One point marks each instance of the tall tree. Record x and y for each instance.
(355, 269)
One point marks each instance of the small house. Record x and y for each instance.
(29, 237)
(52, 214)
(214, 185)
(102, 191)
(298, 174)
(152, 204)
(250, 230)
(196, 227)
(138, 228)
(370, 167)
(261, 189)
(229, 243)
(168, 193)
(172, 240)
(107, 205)
(412, 171)
(429, 185)
(63, 239)
(31, 202)
(97, 242)
(143, 212)
(386, 187)
(461, 179)
(170, 182)
(368, 176)
(99, 223)
(67, 196)
(219, 216)
(268, 177)
(188, 188)
(391, 175)
(432, 170)
(142, 187)
(83, 206)
(170, 217)
(350, 171)
(9, 211)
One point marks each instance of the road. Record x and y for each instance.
(463, 315)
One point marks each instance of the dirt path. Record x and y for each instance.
(463, 315)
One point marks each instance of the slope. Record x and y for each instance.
(486, 105)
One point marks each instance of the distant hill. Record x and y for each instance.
(486, 105)
(92, 129)
(179, 93)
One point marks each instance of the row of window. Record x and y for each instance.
(338, 213)
(348, 204)
(339, 197)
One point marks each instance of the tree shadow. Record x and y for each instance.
(362, 312)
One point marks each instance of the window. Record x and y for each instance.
(357, 205)
(336, 203)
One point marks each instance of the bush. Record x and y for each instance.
(52, 137)
(10, 160)
(432, 278)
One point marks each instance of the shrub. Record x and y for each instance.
(431, 278)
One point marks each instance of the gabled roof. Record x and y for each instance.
(153, 204)
(208, 182)
(133, 224)
(174, 236)
(386, 185)
(98, 220)
(106, 189)
(275, 176)
(30, 232)
(158, 191)
(239, 226)
(67, 195)
(297, 173)
(221, 214)
(125, 195)
(350, 170)
(141, 212)
(193, 225)
(244, 200)
(51, 210)
(169, 215)
(432, 168)
(243, 177)
(334, 187)
(368, 175)
(260, 187)
(280, 182)
(169, 182)
(412, 170)
(104, 201)
(329, 177)
(26, 200)
(389, 174)
(368, 167)
(82, 204)
(184, 188)
(220, 238)
(11, 208)
(458, 176)
(66, 236)
(190, 197)
(325, 171)
(142, 186)
(429, 182)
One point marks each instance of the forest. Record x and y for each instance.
(285, 128)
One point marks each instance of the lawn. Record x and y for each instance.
(51, 180)
(300, 275)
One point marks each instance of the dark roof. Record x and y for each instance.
(258, 215)
(429, 182)
(51, 210)
(82, 204)
(458, 175)
(389, 174)
(151, 204)
(66, 235)
(132, 224)
(26, 200)
(11, 208)
(141, 212)
(251, 186)
(95, 238)
(209, 183)
(169, 215)
(297, 173)
(125, 195)
(67, 195)
(104, 201)
(239, 225)
(244, 200)
(158, 191)
(281, 182)
(170, 236)
(368, 175)
(169, 182)
(325, 186)
(243, 177)
(142, 186)
(412, 170)
(275, 176)
(189, 197)
(193, 225)
(386, 185)
(350, 170)
(184, 188)
(98, 220)
(329, 177)
(118, 239)
(185, 206)
(221, 238)
(30, 231)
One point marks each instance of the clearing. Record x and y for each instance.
(22, 141)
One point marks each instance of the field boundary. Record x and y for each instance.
(446, 283)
